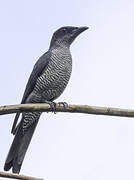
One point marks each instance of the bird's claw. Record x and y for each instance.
(52, 105)
(65, 105)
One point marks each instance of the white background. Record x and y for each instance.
(73, 146)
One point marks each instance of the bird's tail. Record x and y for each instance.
(19, 146)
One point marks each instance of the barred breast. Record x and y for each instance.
(55, 77)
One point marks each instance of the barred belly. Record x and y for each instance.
(55, 77)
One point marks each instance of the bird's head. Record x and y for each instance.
(66, 35)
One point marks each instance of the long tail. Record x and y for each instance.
(20, 145)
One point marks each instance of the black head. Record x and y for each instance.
(66, 35)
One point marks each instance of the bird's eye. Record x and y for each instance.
(64, 30)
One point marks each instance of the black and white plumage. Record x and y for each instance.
(47, 81)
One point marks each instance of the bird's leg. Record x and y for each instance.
(52, 105)
(65, 105)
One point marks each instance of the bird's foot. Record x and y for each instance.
(64, 104)
(52, 105)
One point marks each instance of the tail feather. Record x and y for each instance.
(19, 147)
(15, 123)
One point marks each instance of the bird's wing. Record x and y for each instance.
(40, 65)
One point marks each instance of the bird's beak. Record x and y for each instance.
(79, 30)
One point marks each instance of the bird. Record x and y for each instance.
(48, 80)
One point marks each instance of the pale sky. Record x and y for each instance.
(69, 146)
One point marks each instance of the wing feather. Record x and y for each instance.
(39, 67)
